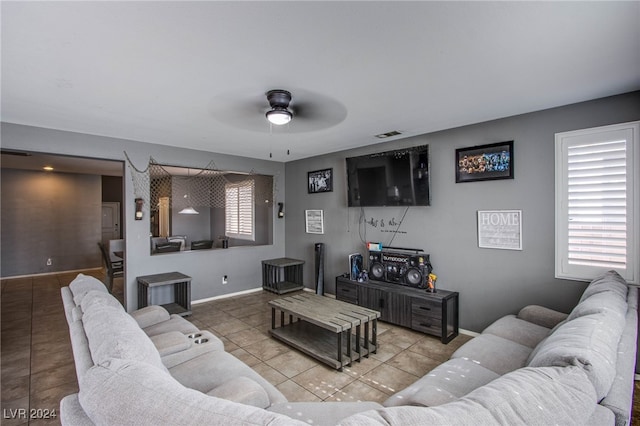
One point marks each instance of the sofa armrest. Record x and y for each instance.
(541, 316)
(150, 315)
(198, 343)
(71, 412)
(243, 390)
(170, 343)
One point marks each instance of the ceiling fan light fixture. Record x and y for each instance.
(279, 113)
(279, 116)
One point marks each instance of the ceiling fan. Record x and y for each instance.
(279, 113)
(302, 110)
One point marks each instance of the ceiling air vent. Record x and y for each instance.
(388, 134)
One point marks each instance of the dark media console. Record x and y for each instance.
(431, 313)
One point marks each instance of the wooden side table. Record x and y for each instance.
(282, 275)
(181, 290)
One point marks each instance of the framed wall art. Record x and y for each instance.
(320, 181)
(500, 229)
(485, 162)
(314, 221)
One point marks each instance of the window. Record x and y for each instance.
(596, 203)
(239, 210)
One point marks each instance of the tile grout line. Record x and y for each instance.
(30, 350)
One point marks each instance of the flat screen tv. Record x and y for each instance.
(391, 178)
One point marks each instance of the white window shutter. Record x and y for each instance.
(240, 210)
(596, 218)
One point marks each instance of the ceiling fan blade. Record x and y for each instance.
(306, 110)
(246, 109)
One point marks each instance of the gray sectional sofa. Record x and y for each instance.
(537, 367)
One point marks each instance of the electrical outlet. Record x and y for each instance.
(49, 262)
(225, 279)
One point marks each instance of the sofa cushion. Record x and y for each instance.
(608, 281)
(541, 315)
(112, 333)
(107, 392)
(495, 353)
(83, 284)
(591, 342)
(67, 303)
(212, 369)
(560, 396)
(517, 330)
(445, 383)
(243, 390)
(619, 399)
(328, 413)
(76, 313)
(80, 347)
(608, 302)
(99, 298)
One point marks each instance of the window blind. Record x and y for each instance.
(597, 204)
(597, 207)
(239, 210)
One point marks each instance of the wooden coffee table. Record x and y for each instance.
(322, 327)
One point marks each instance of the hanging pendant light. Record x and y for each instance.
(189, 209)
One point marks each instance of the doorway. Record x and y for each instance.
(64, 186)
(110, 221)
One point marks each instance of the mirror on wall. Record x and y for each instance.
(200, 209)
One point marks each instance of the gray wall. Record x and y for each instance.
(206, 267)
(491, 283)
(49, 215)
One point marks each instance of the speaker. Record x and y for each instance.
(418, 271)
(319, 267)
(376, 268)
(414, 277)
(400, 268)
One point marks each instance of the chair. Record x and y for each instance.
(167, 247)
(113, 270)
(202, 244)
(116, 252)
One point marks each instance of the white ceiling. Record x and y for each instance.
(194, 74)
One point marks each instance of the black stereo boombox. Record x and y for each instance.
(410, 269)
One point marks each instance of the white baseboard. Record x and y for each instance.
(468, 332)
(254, 290)
(42, 274)
(240, 293)
(225, 296)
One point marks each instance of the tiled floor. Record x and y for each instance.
(38, 370)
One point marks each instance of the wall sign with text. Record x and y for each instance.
(314, 221)
(500, 229)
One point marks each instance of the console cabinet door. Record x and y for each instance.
(347, 292)
(399, 309)
(375, 299)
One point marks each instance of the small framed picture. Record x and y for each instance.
(320, 181)
(500, 229)
(485, 162)
(314, 221)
